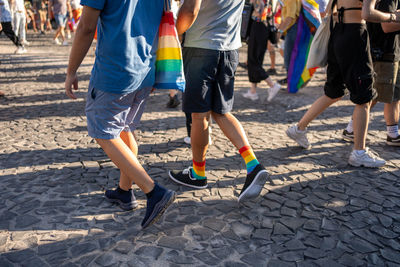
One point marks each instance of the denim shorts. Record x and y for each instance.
(60, 19)
(210, 77)
(108, 114)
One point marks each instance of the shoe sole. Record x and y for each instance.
(255, 187)
(252, 99)
(392, 144)
(124, 206)
(189, 185)
(294, 139)
(157, 213)
(363, 165)
(348, 138)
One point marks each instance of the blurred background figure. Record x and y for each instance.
(6, 26)
(19, 20)
(60, 9)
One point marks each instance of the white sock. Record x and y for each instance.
(349, 127)
(393, 130)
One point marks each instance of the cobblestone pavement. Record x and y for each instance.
(316, 211)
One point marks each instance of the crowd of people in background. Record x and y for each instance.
(44, 16)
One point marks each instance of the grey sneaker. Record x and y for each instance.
(367, 159)
(299, 136)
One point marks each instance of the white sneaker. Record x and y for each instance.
(25, 42)
(273, 91)
(57, 42)
(367, 159)
(20, 50)
(187, 140)
(65, 43)
(299, 136)
(69, 36)
(250, 95)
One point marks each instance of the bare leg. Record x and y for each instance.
(57, 33)
(271, 51)
(199, 136)
(127, 162)
(62, 33)
(391, 113)
(129, 139)
(360, 124)
(232, 129)
(269, 82)
(316, 108)
(172, 92)
(253, 88)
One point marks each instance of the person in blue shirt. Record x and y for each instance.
(122, 77)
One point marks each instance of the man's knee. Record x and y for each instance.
(201, 116)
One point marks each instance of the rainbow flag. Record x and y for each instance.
(169, 66)
(307, 24)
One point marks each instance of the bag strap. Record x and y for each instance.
(167, 5)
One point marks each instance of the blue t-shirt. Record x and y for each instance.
(126, 44)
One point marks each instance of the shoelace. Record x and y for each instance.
(371, 153)
(186, 171)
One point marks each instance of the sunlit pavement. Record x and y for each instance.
(316, 210)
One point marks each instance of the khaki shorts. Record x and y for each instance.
(387, 81)
(43, 15)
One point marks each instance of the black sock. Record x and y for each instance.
(120, 190)
(150, 194)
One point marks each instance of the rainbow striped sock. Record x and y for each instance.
(249, 158)
(199, 170)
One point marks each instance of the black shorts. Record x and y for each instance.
(350, 64)
(210, 77)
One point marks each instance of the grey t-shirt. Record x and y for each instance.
(59, 7)
(217, 26)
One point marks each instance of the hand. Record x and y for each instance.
(71, 80)
(397, 16)
(278, 36)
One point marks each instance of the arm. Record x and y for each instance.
(83, 40)
(187, 15)
(69, 10)
(390, 27)
(285, 24)
(370, 14)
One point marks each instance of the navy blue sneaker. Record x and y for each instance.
(158, 201)
(254, 183)
(125, 199)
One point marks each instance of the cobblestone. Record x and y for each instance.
(316, 211)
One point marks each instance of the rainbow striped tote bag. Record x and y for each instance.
(169, 65)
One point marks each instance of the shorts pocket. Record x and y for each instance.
(92, 92)
(365, 81)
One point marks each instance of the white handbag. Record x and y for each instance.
(318, 53)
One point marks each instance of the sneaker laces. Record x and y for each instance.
(372, 153)
(186, 171)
